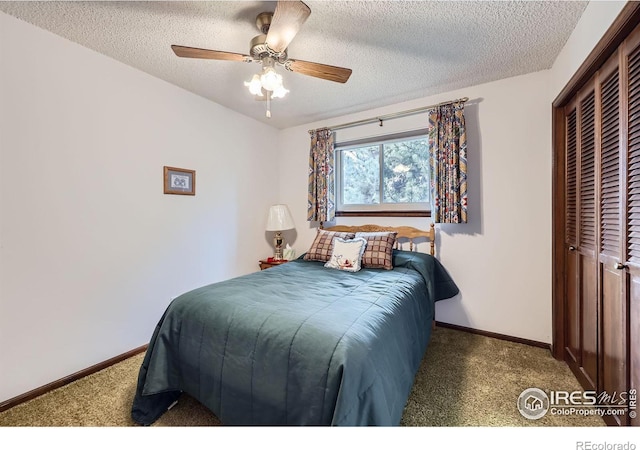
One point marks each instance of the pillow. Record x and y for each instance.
(323, 244)
(347, 255)
(379, 251)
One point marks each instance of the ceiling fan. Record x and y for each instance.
(278, 29)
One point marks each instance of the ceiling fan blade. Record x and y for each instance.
(287, 20)
(191, 52)
(324, 71)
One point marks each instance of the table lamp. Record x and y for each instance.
(279, 219)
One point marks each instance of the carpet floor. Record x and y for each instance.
(464, 380)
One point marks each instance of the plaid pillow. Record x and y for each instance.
(322, 246)
(378, 254)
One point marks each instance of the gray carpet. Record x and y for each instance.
(464, 380)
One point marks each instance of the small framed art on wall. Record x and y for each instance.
(179, 181)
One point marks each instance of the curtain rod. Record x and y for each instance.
(393, 115)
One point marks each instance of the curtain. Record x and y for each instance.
(321, 205)
(448, 163)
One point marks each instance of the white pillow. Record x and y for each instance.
(347, 254)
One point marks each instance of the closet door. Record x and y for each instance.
(613, 358)
(631, 122)
(597, 285)
(573, 326)
(587, 229)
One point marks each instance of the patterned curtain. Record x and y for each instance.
(448, 163)
(321, 205)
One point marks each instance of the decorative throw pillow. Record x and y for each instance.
(322, 246)
(379, 251)
(347, 255)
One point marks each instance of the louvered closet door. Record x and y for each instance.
(601, 307)
(573, 326)
(631, 69)
(587, 229)
(613, 358)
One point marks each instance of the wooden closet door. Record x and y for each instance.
(587, 230)
(573, 325)
(631, 202)
(597, 291)
(613, 325)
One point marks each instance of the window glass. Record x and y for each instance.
(387, 174)
(405, 172)
(361, 175)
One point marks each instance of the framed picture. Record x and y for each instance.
(179, 181)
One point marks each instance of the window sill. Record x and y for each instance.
(383, 213)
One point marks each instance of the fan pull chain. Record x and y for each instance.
(268, 104)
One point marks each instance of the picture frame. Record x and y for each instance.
(179, 181)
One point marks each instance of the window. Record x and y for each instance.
(383, 176)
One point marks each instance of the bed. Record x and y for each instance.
(299, 343)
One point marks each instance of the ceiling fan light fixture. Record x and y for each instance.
(277, 30)
(269, 82)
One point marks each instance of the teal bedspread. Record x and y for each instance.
(297, 344)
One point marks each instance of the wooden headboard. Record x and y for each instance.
(404, 233)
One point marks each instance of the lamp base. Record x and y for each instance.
(277, 242)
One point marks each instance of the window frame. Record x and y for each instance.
(422, 209)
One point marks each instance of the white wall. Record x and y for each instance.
(91, 251)
(501, 259)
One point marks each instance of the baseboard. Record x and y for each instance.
(491, 334)
(69, 379)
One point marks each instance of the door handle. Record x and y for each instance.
(620, 266)
(572, 248)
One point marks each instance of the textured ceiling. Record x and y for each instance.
(398, 50)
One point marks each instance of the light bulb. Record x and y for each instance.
(255, 87)
(279, 92)
(270, 79)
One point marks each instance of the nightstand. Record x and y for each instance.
(266, 263)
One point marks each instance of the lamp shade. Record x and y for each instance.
(279, 218)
